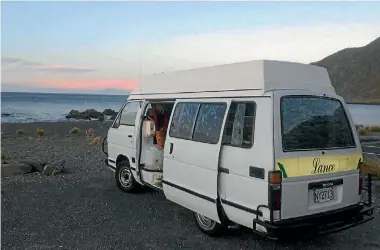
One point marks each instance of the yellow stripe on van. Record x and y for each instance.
(295, 167)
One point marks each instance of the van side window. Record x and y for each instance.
(128, 115)
(239, 129)
(209, 122)
(200, 122)
(183, 120)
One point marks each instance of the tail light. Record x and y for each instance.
(361, 167)
(275, 180)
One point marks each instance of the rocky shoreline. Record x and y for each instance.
(74, 114)
(92, 114)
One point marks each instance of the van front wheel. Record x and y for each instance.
(124, 177)
(208, 226)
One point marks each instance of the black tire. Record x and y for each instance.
(124, 177)
(104, 146)
(208, 226)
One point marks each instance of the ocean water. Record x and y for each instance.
(36, 107)
(365, 114)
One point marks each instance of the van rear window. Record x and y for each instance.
(313, 123)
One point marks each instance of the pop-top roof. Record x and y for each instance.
(259, 76)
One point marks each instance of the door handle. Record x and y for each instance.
(257, 172)
(130, 136)
(171, 148)
(224, 170)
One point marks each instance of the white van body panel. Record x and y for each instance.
(298, 201)
(251, 78)
(239, 186)
(297, 197)
(193, 166)
(122, 139)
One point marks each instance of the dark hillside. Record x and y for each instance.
(355, 72)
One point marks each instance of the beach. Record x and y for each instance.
(265, 115)
(81, 208)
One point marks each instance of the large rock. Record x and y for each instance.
(53, 169)
(109, 112)
(15, 169)
(92, 113)
(48, 170)
(85, 115)
(73, 114)
(37, 166)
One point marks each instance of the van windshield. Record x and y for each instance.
(314, 123)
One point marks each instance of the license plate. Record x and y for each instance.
(323, 194)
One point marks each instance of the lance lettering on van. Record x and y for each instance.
(319, 168)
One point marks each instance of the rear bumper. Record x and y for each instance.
(321, 224)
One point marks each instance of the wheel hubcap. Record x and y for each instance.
(205, 222)
(125, 177)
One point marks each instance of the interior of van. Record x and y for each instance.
(154, 127)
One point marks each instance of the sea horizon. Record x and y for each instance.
(27, 107)
(64, 93)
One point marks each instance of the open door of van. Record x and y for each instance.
(139, 134)
(191, 156)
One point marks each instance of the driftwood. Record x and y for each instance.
(26, 167)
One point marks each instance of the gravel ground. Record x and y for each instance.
(83, 209)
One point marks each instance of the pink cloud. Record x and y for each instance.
(91, 84)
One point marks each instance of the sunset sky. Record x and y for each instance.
(91, 46)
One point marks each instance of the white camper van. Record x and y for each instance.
(263, 144)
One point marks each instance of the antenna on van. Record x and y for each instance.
(140, 68)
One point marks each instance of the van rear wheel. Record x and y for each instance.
(124, 177)
(208, 226)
